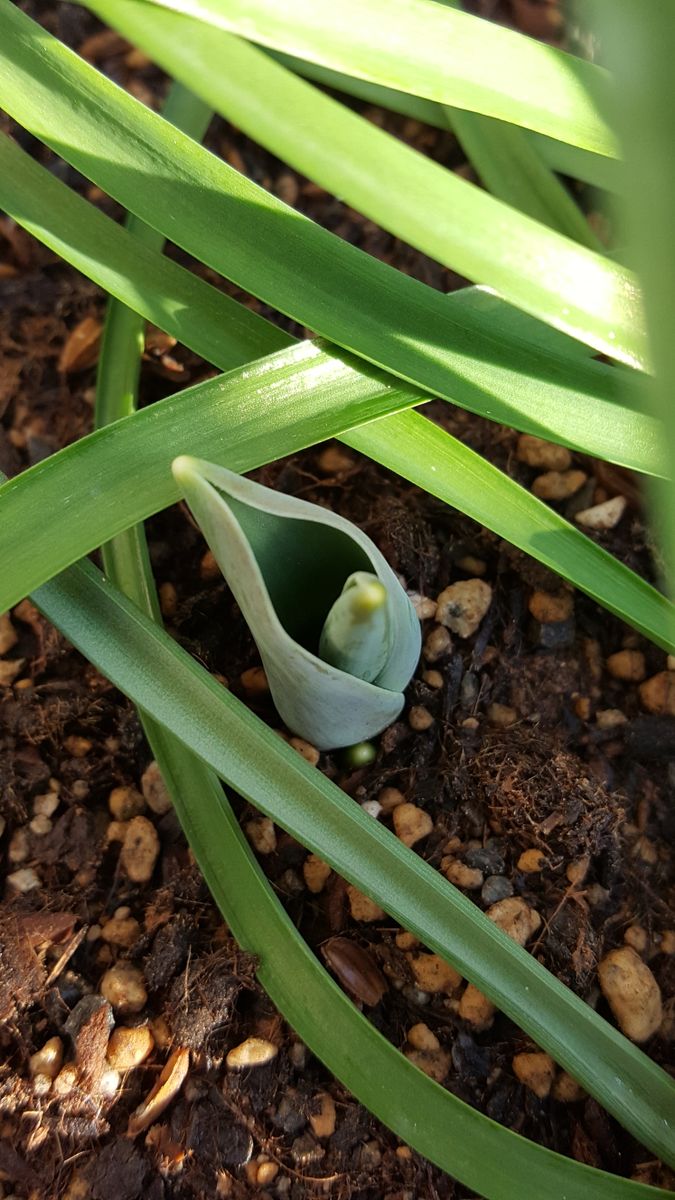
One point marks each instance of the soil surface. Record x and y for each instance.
(539, 767)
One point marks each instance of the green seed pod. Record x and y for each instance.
(309, 583)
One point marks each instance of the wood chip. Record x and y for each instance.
(81, 348)
(165, 1090)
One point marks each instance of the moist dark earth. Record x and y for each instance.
(536, 773)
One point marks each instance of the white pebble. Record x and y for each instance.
(602, 516)
(254, 1052)
(24, 880)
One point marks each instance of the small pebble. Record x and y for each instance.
(423, 605)
(46, 804)
(411, 823)
(536, 1070)
(254, 1052)
(433, 974)
(168, 599)
(109, 1083)
(502, 716)
(602, 516)
(129, 1047)
(433, 679)
(476, 1009)
(420, 1037)
(66, 1080)
(208, 567)
(123, 986)
(548, 607)
(288, 190)
(531, 861)
(267, 1173)
(658, 693)
(566, 1089)
(419, 718)
(121, 931)
(636, 937)
(406, 940)
(140, 850)
(372, 807)
(125, 803)
(437, 644)
(610, 718)
(434, 1063)
(632, 993)
(334, 460)
(577, 870)
(24, 880)
(9, 669)
(558, 485)
(645, 849)
(254, 682)
(495, 888)
(670, 662)
(79, 747)
(316, 873)
(667, 942)
(40, 825)
(306, 749)
(462, 606)
(390, 798)
(628, 665)
(362, 907)
(472, 565)
(8, 635)
(537, 453)
(462, 876)
(262, 835)
(155, 791)
(516, 918)
(49, 1060)
(19, 847)
(116, 831)
(322, 1115)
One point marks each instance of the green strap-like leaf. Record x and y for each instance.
(192, 197)
(526, 262)
(431, 51)
(286, 402)
(583, 412)
(161, 678)
(580, 164)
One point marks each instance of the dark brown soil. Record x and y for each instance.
(594, 796)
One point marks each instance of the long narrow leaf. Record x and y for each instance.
(450, 57)
(455, 1136)
(190, 195)
(526, 262)
(591, 168)
(581, 410)
(161, 678)
(268, 408)
(642, 53)
(512, 168)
